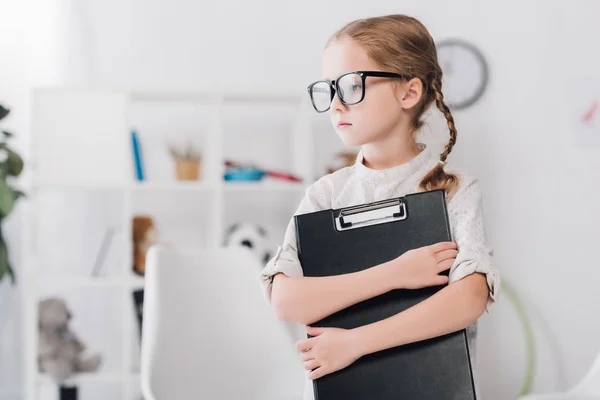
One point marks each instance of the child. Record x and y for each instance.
(380, 76)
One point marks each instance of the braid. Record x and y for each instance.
(439, 101)
(437, 178)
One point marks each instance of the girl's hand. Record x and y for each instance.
(421, 267)
(330, 350)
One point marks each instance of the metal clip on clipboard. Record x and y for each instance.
(371, 214)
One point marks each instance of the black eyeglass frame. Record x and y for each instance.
(333, 86)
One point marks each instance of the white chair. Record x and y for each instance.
(209, 333)
(587, 388)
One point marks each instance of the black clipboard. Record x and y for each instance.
(338, 241)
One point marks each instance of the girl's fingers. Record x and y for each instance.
(317, 373)
(313, 331)
(446, 255)
(445, 265)
(307, 355)
(305, 344)
(443, 246)
(311, 364)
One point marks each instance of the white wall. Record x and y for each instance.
(41, 43)
(538, 179)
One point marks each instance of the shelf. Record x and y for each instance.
(233, 186)
(271, 130)
(84, 378)
(80, 186)
(129, 281)
(135, 281)
(217, 97)
(193, 186)
(80, 281)
(89, 282)
(264, 185)
(15, 392)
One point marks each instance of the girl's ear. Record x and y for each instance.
(410, 93)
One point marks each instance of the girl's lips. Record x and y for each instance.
(343, 124)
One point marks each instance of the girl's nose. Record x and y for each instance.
(336, 103)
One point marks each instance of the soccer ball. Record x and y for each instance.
(252, 236)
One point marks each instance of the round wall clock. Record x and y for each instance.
(465, 72)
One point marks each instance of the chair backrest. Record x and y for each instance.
(208, 331)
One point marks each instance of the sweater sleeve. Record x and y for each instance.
(465, 211)
(285, 261)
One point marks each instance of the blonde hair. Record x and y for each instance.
(402, 44)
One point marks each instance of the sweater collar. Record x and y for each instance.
(396, 173)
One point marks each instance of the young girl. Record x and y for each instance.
(380, 76)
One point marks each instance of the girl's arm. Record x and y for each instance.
(451, 309)
(305, 300)
(473, 289)
(308, 299)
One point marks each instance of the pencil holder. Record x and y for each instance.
(187, 162)
(188, 170)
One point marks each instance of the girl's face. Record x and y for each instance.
(382, 110)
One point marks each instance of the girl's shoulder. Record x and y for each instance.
(469, 187)
(323, 189)
(465, 177)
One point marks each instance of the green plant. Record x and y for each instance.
(11, 164)
(188, 153)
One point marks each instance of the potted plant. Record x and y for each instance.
(187, 162)
(11, 164)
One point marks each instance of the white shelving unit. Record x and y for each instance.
(81, 152)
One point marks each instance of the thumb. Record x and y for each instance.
(313, 331)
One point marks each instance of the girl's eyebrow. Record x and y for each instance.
(329, 78)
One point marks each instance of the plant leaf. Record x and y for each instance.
(4, 264)
(15, 163)
(3, 112)
(7, 199)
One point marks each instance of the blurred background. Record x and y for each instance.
(136, 121)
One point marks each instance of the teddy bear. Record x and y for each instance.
(144, 236)
(60, 352)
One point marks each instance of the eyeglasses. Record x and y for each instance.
(350, 88)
